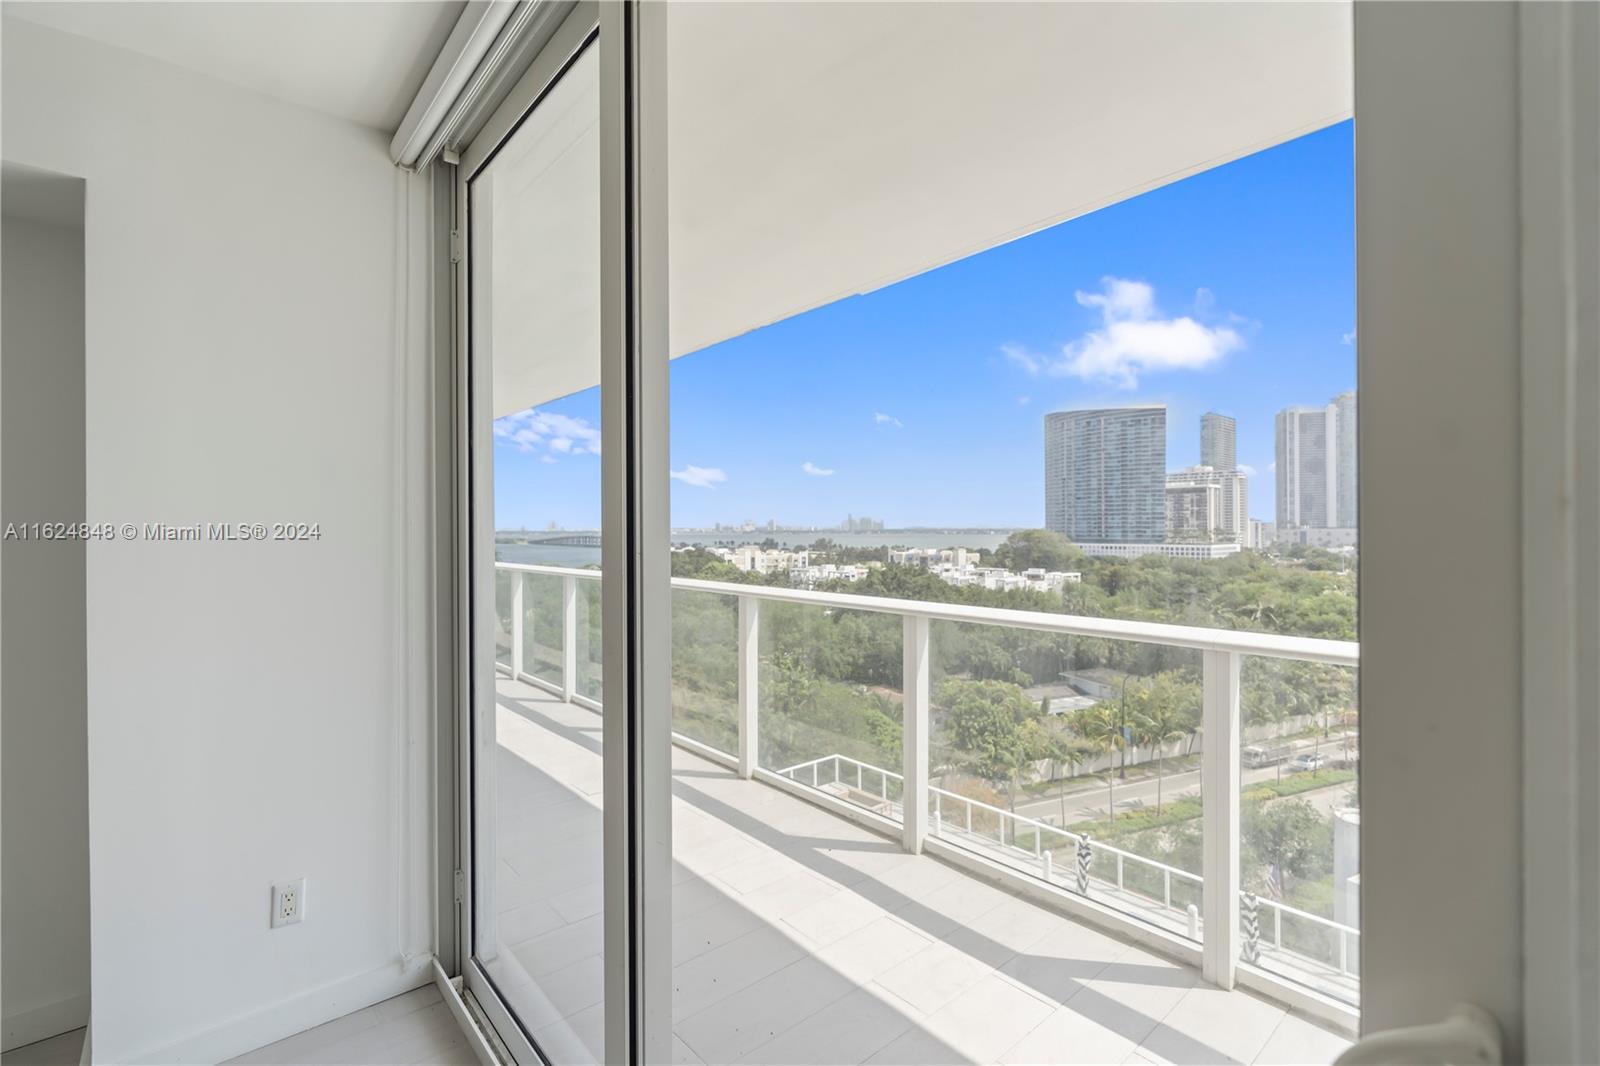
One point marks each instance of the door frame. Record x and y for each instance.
(636, 602)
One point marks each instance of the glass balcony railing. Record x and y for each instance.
(1202, 785)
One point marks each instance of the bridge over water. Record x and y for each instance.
(561, 539)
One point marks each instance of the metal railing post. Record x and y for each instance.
(519, 581)
(914, 801)
(1220, 799)
(749, 683)
(569, 637)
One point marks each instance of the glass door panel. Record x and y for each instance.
(533, 217)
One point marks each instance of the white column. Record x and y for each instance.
(518, 581)
(569, 637)
(1220, 795)
(914, 800)
(749, 683)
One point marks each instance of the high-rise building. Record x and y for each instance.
(1194, 511)
(1105, 473)
(1218, 437)
(1307, 467)
(1345, 461)
(1233, 498)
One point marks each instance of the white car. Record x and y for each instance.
(1310, 760)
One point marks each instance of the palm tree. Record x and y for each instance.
(1073, 753)
(1101, 727)
(1162, 723)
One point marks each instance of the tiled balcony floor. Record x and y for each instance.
(801, 938)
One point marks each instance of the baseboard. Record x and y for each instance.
(41, 1023)
(288, 1017)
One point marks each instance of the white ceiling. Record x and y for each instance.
(361, 61)
(819, 150)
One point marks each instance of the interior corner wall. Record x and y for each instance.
(1436, 140)
(253, 277)
(44, 901)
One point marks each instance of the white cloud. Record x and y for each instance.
(1022, 357)
(533, 429)
(1247, 470)
(1272, 468)
(1134, 338)
(886, 420)
(701, 477)
(814, 470)
(1023, 401)
(1348, 338)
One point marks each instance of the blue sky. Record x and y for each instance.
(922, 403)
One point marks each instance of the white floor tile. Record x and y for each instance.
(934, 976)
(1068, 1036)
(732, 1027)
(1297, 1042)
(848, 1030)
(918, 1047)
(873, 949)
(826, 921)
(734, 966)
(1209, 1025)
(800, 937)
(987, 1018)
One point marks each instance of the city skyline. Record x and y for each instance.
(924, 402)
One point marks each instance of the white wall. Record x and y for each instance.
(1438, 275)
(255, 711)
(45, 801)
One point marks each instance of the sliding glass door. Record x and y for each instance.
(531, 193)
(898, 788)
(561, 322)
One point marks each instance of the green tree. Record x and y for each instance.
(1029, 548)
(1100, 727)
(994, 730)
(1288, 837)
(1160, 721)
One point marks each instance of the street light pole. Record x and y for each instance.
(1122, 771)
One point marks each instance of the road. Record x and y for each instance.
(1084, 803)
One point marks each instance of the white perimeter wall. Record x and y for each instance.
(253, 709)
(45, 834)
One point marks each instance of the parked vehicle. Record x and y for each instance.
(1309, 760)
(1260, 755)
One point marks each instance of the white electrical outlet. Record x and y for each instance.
(289, 902)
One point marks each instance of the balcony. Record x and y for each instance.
(834, 909)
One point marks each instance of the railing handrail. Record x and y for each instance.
(1073, 838)
(841, 758)
(1223, 899)
(1307, 915)
(1167, 634)
(553, 571)
(1098, 845)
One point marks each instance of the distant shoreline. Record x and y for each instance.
(699, 533)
